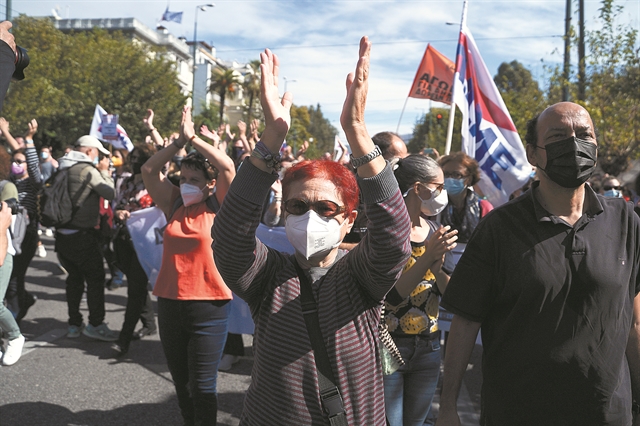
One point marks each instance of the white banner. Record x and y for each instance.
(145, 227)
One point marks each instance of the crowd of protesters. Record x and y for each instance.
(375, 241)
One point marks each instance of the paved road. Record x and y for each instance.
(62, 382)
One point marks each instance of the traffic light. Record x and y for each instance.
(439, 118)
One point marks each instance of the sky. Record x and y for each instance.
(317, 41)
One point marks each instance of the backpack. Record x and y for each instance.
(19, 228)
(55, 204)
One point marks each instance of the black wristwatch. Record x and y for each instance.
(361, 161)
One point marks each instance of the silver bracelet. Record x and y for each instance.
(361, 161)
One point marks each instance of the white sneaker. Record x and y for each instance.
(39, 231)
(13, 351)
(41, 251)
(48, 232)
(227, 362)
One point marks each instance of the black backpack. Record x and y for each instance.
(56, 205)
(19, 228)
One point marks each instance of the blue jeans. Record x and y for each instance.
(7, 322)
(409, 391)
(193, 334)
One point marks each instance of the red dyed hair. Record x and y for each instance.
(343, 179)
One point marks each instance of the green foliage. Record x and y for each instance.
(70, 73)
(209, 116)
(298, 133)
(520, 92)
(429, 132)
(613, 91)
(225, 83)
(322, 130)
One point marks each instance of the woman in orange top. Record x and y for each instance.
(193, 299)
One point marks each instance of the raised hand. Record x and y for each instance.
(441, 242)
(277, 112)
(6, 36)
(352, 117)
(204, 131)
(33, 128)
(186, 127)
(4, 126)
(148, 119)
(242, 128)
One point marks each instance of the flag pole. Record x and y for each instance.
(452, 112)
(401, 114)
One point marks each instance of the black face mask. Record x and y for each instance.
(570, 162)
(136, 168)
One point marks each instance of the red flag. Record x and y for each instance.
(434, 79)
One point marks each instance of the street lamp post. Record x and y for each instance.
(202, 7)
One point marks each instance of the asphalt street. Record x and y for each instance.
(61, 381)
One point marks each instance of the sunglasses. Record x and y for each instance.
(325, 208)
(609, 188)
(434, 192)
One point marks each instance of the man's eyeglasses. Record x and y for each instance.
(609, 187)
(454, 175)
(324, 208)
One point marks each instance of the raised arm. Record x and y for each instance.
(153, 132)
(33, 164)
(218, 159)
(352, 117)
(277, 112)
(4, 127)
(159, 187)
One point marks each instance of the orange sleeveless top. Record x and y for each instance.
(188, 271)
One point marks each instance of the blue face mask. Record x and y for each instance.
(96, 161)
(454, 186)
(613, 193)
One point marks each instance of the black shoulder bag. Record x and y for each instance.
(329, 393)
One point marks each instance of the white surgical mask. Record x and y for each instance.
(434, 205)
(191, 194)
(310, 234)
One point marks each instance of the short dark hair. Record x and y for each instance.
(531, 137)
(196, 161)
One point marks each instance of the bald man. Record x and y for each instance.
(391, 145)
(552, 278)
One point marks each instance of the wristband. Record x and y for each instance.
(361, 161)
(261, 152)
(192, 138)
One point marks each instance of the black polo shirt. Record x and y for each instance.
(556, 304)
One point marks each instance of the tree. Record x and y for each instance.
(298, 132)
(431, 132)
(321, 129)
(520, 92)
(251, 87)
(224, 82)
(613, 89)
(70, 73)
